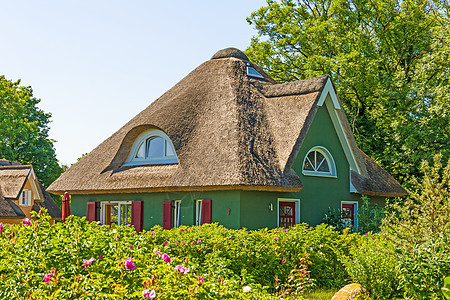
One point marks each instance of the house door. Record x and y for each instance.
(348, 214)
(287, 214)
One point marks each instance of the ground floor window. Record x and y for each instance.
(349, 211)
(198, 212)
(115, 212)
(176, 215)
(288, 212)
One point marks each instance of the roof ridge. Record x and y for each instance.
(298, 87)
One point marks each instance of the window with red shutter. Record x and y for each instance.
(167, 214)
(137, 215)
(206, 212)
(91, 211)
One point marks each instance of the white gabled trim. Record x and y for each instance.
(37, 193)
(352, 187)
(356, 210)
(329, 89)
(332, 107)
(297, 209)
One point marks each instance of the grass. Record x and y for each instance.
(320, 295)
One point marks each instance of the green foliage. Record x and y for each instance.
(425, 213)
(446, 288)
(370, 216)
(424, 268)
(389, 60)
(334, 218)
(226, 260)
(371, 263)
(24, 131)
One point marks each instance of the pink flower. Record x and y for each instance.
(275, 238)
(181, 269)
(157, 252)
(183, 242)
(165, 243)
(200, 278)
(199, 241)
(285, 230)
(231, 237)
(47, 277)
(193, 242)
(283, 261)
(87, 262)
(165, 257)
(26, 222)
(153, 233)
(176, 243)
(101, 256)
(181, 230)
(129, 264)
(149, 294)
(1, 227)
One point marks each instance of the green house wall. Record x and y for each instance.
(251, 209)
(153, 205)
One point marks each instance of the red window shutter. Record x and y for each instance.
(91, 212)
(136, 215)
(167, 214)
(206, 211)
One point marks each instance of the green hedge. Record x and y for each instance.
(54, 261)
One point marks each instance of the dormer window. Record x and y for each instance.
(152, 147)
(319, 162)
(253, 73)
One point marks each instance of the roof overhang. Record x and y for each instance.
(182, 189)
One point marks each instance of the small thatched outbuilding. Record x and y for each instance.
(21, 193)
(228, 144)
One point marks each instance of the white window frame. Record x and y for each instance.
(103, 210)
(198, 212)
(356, 211)
(25, 198)
(176, 213)
(132, 160)
(331, 165)
(297, 209)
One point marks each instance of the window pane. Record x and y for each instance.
(156, 147)
(141, 152)
(115, 214)
(308, 165)
(324, 166)
(125, 212)
(169, 150)
(319, 158)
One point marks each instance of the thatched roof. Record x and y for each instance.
(229, 130)
(13, 177)
(377, 182)
(9, 209)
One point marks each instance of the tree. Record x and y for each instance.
(389, 60)
(24, 131)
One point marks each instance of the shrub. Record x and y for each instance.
(370, 216)
(420, 229)
(372, 262)
(77, 259)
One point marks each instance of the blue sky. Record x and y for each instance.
(96, 64)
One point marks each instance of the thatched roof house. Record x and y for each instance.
(228, 126)
(21, 193)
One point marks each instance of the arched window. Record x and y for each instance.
(151, 148)
(319, 162)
